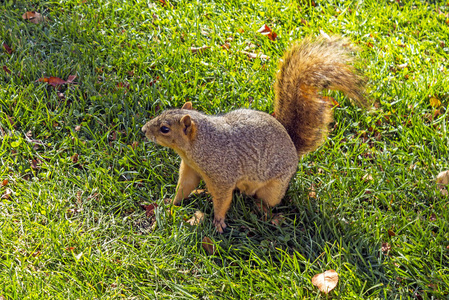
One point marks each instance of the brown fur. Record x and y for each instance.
(306, 69)
(251, 150)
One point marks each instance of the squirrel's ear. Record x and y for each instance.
(187, 105)
(188, 125)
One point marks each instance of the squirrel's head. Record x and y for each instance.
(173, 128)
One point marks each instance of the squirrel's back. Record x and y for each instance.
(243, 143)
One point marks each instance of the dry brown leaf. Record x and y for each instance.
(34, 164)
(367, 177)
(7, 193)
(265, 30)
(4, 182)
(385, 247)
(226, 46)
(391, 232)
(33, 17)
(278, 219)
(198, 49)
(7, 49)
(6, 70)
(254, 55)
(326, 281)
(149, 209)
(78, 198)
(208, 245)
(74, 158)
(197, 218)
(71, 78)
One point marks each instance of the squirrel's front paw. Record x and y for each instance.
(220, 225)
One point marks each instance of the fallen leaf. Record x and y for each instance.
(433, 217)
(197, 218)
(254, 55)
(226, 46)
(367, 177)
(77, 127)
(198, 49)
(71, 78)
(326, 281)
(74, 158)
(164, 3)
(53, 81)
(240, 30)
(6, 70)
(34, 164)
(208, 245)
(149, 209)
(33, 17)
(79, 201)
(391, 232)
(265, 30)
(5, 182)
(434, 102)
(7, 49)
(385, 247)
(402, 66)
(123, 85)
(7, 193)
(312, 193)
(278, 219)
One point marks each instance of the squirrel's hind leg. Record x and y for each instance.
(187, 182)
(272, 192)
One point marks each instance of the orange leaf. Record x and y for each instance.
(391, 232)
(7, 48)
(53, 81)
(326, 281)
(264, 29)
(33, 17)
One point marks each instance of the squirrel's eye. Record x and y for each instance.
(165, 129)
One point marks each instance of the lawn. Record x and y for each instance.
(82, 210)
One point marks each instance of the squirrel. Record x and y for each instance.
(251, 150)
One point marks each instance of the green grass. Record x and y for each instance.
(74, 227)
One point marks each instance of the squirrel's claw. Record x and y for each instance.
(220, 225)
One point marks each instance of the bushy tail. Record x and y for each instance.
(307, 68)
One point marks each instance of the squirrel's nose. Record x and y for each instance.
(144, 130)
